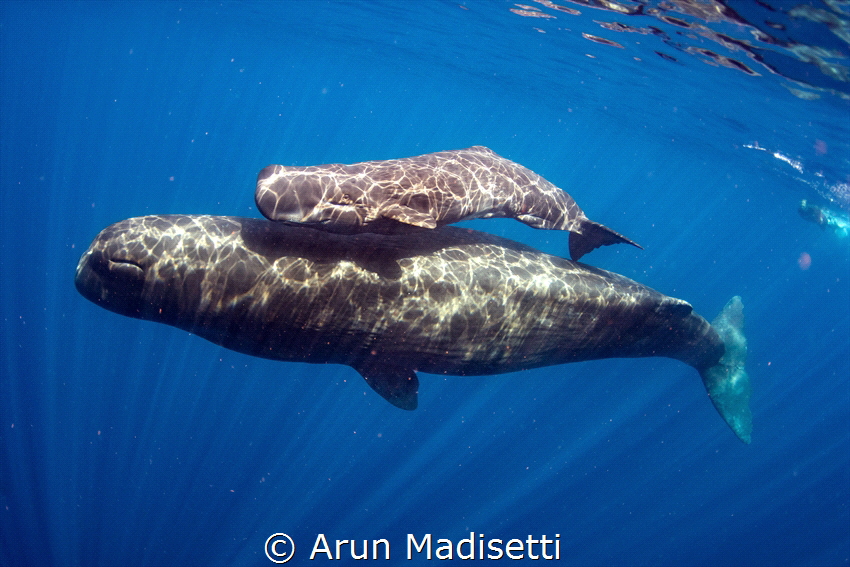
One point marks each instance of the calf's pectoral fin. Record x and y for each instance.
(408, 215)
(535, 221)
(399, 386)
(727, 382)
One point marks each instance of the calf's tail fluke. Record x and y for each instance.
(727, 382)
(592, 236)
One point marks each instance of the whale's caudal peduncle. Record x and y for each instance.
(425, 191)
(444, 301)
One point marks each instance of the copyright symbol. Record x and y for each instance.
(280, 548)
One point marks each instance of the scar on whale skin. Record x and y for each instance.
(425, 191)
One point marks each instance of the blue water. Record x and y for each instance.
(125, 442)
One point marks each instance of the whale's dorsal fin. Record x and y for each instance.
(399, 386)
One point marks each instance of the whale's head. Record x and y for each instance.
(112, 272)
(328, 197)
(155, 267)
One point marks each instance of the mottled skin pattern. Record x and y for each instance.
(426, 191)
(447, 301)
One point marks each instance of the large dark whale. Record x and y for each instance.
(426, 191)
(444, 301)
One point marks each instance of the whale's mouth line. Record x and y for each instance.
(123, 265)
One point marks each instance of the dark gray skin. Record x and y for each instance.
(444, 301)
(425, 191)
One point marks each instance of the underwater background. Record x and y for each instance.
(695, 128)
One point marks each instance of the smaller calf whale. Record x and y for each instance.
(426, 191)
(829, 220)
(447, 301)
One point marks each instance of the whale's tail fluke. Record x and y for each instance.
(727, 382)
(593, 235)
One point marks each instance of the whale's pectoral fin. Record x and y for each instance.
(593, 235)
(535, 221)
(727, 381)
(408, 215)
(399, 386)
